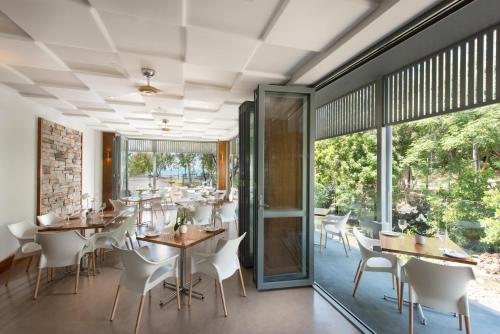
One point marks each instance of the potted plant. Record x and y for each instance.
(420, 229)
(181, 222)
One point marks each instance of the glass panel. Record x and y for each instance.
(282, 246)
(140, 171)
(284, 150)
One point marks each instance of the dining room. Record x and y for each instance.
(263, 166)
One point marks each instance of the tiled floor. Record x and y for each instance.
(58, 310)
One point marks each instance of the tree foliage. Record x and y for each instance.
(140, 164)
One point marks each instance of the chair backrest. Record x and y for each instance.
(201, 214)
(226, 256)
(117, 204)
(130, 223)
(439, 286)
(60, 249)
(228, 210)
(48, 218)
(137, 269)
(343, 221)
(23, 230)
(365, 247)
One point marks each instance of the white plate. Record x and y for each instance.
(151, 234)
(391, 233)
(53, 225)
(210, 229)
(454, 253)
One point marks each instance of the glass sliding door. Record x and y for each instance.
(284, 189)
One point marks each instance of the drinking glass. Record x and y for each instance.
(403, 224)
(443, 234)
(103, 206)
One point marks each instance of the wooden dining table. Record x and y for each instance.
(195, 234)
(82, 223)
(432, 249)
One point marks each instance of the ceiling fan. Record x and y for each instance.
(164, 127)
(146, 89)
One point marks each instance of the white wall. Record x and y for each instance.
(18, 143)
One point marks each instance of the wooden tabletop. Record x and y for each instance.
(80, 223)
(194, 235)
(431, 248)
(143, 198)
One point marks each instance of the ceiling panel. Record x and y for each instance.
(325, 21)
(73, 94)
(25, 52)
(159, 10)
(205, 75)
(132, 34)
(9, 74)
(248, 81)
(49, 101)
(67, 23)
(217, 49)
(248, 18)
(168, 71)
(28, 89)
(278, 59)
(111, 84)
(9, 27)
(50, 77)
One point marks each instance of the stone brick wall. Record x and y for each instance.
(61, 168)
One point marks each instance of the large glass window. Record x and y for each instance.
(140, 171)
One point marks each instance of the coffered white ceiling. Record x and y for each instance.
(84, 57)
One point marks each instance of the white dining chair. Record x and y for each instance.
(335, 225)
(48, 218)
(141, 274)
(229, 219)
(201, 214)
(60, 249)
(439, 287)
(373, 261)
(220, 265)
(117, 236)
(24, 232)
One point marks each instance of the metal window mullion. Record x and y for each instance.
(427, 86)
(480, 69)
(463, 74)
(455, 78)
(489, 66)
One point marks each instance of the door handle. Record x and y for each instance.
(261, 202)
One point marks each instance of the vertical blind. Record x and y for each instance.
(171, 146)
(350, 113)
(461, 76)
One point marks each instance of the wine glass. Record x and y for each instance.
(403, 224)
(69, 213)
(103, 207)
(443, 234)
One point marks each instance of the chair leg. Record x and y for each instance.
(190, 288)
(460, 322)
(93, 263)
(35, 295)
(321, 238)
(29, 264)
(343, 243)
(77, 279)
(357, 282)
(242, 283)
(357, 271)
(401, 294)
(9, 272)
(179, 292)
(223, 298)
(393, 282)
(141, 305)
(398, 291)
(467, 325)
(115, 303)
(326, 238)
(347, 239)
(131, 241)
(410, 317)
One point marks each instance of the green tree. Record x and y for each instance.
(164, 161)
(140, 164)
(185, 160)
(208, 166)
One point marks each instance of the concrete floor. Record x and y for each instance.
(58, 310)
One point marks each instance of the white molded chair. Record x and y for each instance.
(374, 261)
(440, 287)
(116, 236)
(60, 249)
(219, 265)
(24, 232)
(141, 274)
(335, 225)
(48, 218)
(229, 219)
(201, 214)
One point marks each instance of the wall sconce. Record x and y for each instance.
(107, 155)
